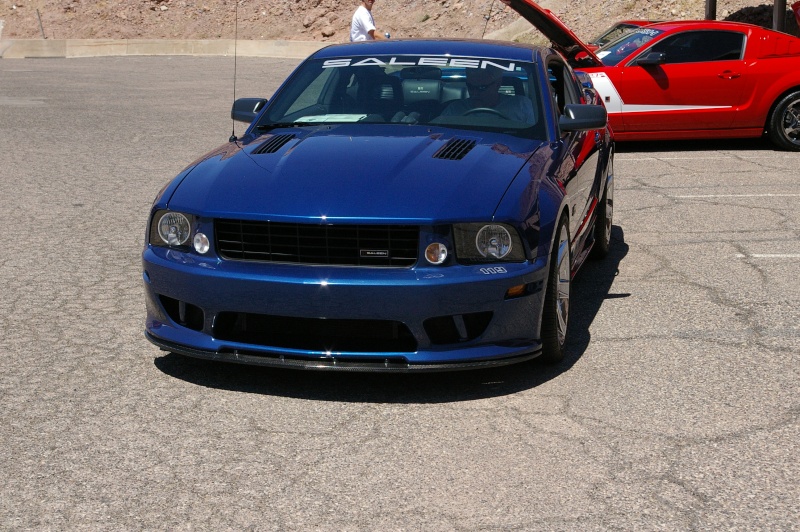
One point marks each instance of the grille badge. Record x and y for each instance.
(374, 253)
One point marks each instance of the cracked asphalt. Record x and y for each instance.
(676, 408)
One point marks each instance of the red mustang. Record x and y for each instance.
(689, 79)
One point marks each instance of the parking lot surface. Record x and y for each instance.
(676, 409)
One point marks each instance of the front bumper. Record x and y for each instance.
(343, 318)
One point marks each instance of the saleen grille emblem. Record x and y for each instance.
(374, 253)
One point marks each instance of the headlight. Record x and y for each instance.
(493, 241)
(487, 243)
(170, 228)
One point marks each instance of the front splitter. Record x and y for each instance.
(332, 363)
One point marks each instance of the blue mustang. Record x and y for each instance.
(396, 206)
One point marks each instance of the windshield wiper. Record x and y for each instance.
(276, 125)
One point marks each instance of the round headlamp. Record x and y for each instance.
(174, 229)
(493, 241)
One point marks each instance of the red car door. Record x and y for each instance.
(696, 82)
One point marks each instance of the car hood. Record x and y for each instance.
(395, 174)
(563, 39)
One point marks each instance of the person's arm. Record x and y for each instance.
(376, 35)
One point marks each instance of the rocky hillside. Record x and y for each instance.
(328, 20)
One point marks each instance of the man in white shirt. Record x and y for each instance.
(362, 28)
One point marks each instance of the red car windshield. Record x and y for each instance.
(614, 32)
(613, 53)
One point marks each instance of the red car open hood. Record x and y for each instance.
(566, 42)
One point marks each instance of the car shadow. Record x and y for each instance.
(591, 287)
(759, 144)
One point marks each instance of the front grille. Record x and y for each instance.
(344, 245)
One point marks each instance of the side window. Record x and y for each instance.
(701, 46)
(562, 85)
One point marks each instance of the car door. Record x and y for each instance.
(581, 151)
(697, 82)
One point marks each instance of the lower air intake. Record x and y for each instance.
(314, 334)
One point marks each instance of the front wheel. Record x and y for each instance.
(602, 226)
(555, 315)
(784, 122)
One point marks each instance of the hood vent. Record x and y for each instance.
(455, 149)
(275, 143)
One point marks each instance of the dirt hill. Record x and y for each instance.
(328, 20)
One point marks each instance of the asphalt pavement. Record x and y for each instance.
(676, 407)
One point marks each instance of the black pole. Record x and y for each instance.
(779, 16)
(711, 9)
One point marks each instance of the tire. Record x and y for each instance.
(602, 226)
(555, 314)
(783, 127)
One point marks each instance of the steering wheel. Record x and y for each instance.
(483, 110)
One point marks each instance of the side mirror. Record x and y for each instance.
(247, 109)
(653, 58)
(581, 117)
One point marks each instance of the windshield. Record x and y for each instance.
(613, 53)
(613, 33)
(468, 93)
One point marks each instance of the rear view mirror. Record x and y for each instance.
(247, 109)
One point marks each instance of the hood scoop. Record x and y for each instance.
(455, 149)
(275, 143)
